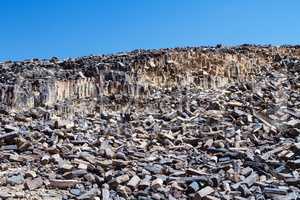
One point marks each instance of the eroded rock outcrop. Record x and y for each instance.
(35, 83)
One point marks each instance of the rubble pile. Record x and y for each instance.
(186, 123)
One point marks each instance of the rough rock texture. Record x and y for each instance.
(36, 83)
(184, 123)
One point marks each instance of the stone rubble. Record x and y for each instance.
(187, 123)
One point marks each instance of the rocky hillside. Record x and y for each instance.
(183, 123)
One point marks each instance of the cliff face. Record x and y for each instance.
(35, 83)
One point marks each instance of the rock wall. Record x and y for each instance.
(120, 77)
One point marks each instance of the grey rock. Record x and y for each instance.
(15, 180)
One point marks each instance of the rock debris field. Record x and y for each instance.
(208, 123)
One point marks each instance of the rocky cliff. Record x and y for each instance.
(35, 83)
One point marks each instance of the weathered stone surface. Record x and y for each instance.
(62, 183)
(134, 181)
(47, 82)
(15, 179)
(32, 184)
(204, 192)
(184, 123)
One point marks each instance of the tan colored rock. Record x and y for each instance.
(157, 183)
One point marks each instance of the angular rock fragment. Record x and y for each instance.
(134, 181)
(63, 184)
(157, 183)
(15, 180)
(32, 184)
(193, 187)
(204, 192)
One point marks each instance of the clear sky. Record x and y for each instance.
(71, 28)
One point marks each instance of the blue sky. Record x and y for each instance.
(71, 28)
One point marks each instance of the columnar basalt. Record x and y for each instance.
(37, 83)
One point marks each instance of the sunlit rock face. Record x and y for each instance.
(135, 75)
